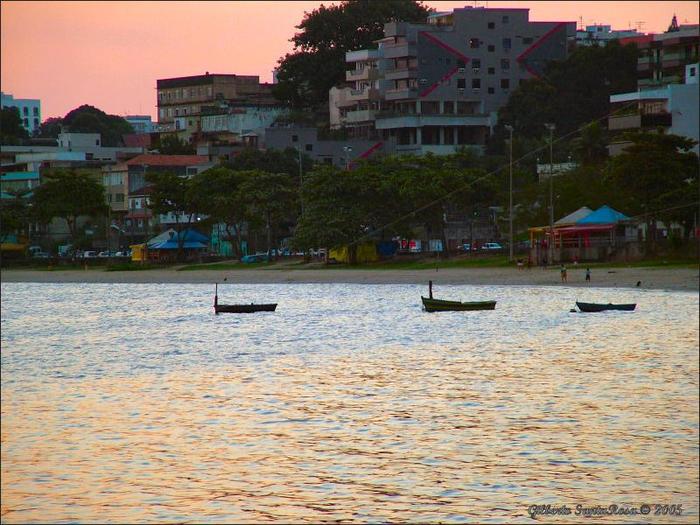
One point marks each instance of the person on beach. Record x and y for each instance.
(588, 274)
(563, 273)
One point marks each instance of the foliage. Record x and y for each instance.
(11, 130)
(324, 37)
(50, 128)
(590, 147)
(89, 119)
(571, 93)
(271, 161)
(14, 215)
(68, 194)
(173, 145)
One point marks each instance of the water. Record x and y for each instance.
(133, 402)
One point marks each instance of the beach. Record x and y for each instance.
(658, 278)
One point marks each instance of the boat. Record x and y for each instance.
(595, 307)
(240, 308)
(440, 305)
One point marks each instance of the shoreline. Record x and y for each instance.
(676, 279)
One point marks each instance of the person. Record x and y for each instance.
(520, 264)
(563, 273)
(588, 274)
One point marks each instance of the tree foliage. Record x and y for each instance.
(11, 130)
(68, 194)
(89, 119)
(173, 145)
(325, 35)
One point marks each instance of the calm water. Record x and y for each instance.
(129, 402)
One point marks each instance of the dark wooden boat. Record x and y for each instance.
(240, 308)
(594, 307)
(440, 305)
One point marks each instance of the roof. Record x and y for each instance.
(170, 236)
(19, 175)
(573, 217)
(603, 215)
(137, 140)
(172, 245)
(167, 160)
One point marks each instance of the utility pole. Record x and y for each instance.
(301, 181)
(510, 200)
(347, 150)
(550, 245)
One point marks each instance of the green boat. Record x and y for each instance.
(440, 305)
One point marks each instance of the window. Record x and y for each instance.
(119, 197)
(492, 71)
(505, 63)
(328, 160)
(476, 83)
(140, 223)
(295, 138)
(527, 40)
(505, 84)
(448, 61)
(492, 48)
(448, 107)
(25, 110)
(97, 142)
(506, 43)
(190, 123)
(461, 83)
(474, 43)
(460, 63)
(36, 111)
(492, 25)
(476, 63)
(505, 19)
(692, 72)
(309, 147)
(25, 123)
(36, 122)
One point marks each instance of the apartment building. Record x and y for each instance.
(29, 111)
(601, 35)
(180, 100)
(437, 86)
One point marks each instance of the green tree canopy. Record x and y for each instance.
(173, 145)
(325, 35)
(89, 119)
(11, 130)
(68, 194)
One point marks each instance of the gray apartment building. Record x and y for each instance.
(437, 86)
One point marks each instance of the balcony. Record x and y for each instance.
(363, 115)
(362, 74)
(401, 93)
(624, 122)
(389, 120)
(637, 121)
(405, 49)
(400, 73)
(357, 95)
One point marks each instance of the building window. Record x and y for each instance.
(492, 25)
(506, 43)
(476, 83)
(448, 107)
(25, 110)
(25, 122)
(527, 40)
(492, 48)
(119, 197)
(140, 223)
(505, 63)
(97, 142)
(476, 63)
(474, 43)
(295, 138)
(692, 71)
(461, 83)
(505, 19)
(505, 84)
(309, 147)
(491, 91)
(460, 63)
(36, 112)
(492, 71)
(36, 122)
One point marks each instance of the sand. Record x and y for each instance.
(681, 279)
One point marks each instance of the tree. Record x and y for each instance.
(656, 171)
(11, 130)
(173, 145)
(325, 35)
(68, 194)
(571, 93)
(590, 147)
(169, 194)
(220, 197)
(272, 196)
(89, 119)
(14, 214)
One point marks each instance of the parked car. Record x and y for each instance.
(105, 254)
(464, 247)
(491, 246)
(40, 255)
(90, 255)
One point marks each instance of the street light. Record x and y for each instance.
(509, 128)
(347, 150)
(551, 127)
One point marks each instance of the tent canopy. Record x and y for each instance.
(573, 217)
(603, 215)
(171, 235)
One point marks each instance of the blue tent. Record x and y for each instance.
(172, 245)
(603, 215)
(193, 240)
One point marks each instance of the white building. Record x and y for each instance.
(140, 123)
(600, 35)
(29, 111)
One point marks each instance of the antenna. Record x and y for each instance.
(580, 21)
(640, 24)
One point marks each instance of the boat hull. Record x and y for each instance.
(594, 307)
(244, 308)
(440, 305)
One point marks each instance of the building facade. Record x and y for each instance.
(600, 35)
(140, 123)
(29, 111)
(437, 86)
(180, 100)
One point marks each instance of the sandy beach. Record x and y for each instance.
(681, 279)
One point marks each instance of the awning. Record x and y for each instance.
(573, 230)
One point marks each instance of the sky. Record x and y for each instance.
(110, 54)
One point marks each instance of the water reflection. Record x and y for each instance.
(348, 404)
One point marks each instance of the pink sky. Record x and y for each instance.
(110, 54)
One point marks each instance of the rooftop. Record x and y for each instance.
(167, 160)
